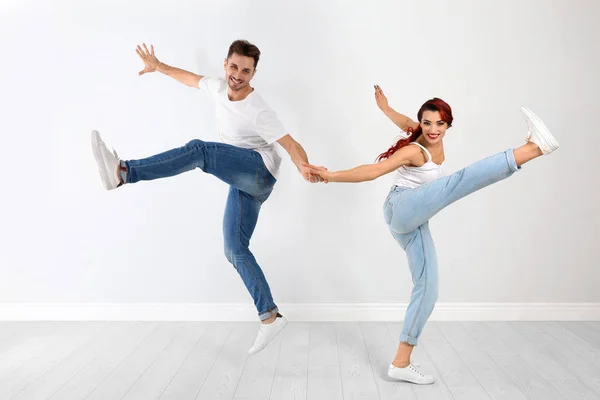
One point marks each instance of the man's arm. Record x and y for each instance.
(180, 75)
(152, 64)
(294, 149)
(298, 157)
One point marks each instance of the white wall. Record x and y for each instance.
(69, 67)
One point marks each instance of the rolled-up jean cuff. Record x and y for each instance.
(512, 163)
(268, 314)
(407, 339)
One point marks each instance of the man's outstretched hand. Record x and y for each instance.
(151, 63)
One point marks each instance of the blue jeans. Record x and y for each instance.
(250, 184)
(407, 213)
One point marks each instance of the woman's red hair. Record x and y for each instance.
(434, 104)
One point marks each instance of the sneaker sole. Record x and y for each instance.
(96, 140)
(409, 381)
(545, 135)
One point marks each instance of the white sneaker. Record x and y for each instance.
(108, 163)
(539, 133)
(409, 374)
(266, 333)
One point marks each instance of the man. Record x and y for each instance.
(247, 160)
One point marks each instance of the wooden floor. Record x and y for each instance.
(320, 361)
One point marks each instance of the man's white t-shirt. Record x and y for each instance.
(249, 123)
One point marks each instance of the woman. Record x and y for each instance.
(420, 191)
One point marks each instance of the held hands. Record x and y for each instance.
(319, 174)
(309, 175)
(150, 61)
(380, 98)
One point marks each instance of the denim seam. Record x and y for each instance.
(162, 160)
(239, 233)
(414, 322)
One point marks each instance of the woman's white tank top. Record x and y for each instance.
(412, 177)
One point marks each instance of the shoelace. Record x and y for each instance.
(416, 371)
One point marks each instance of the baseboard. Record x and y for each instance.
(295, 312)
